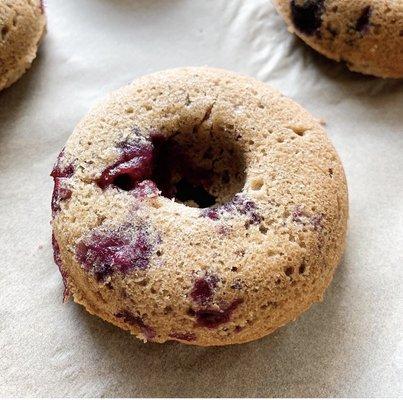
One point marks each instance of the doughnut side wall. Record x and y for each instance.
(167, 270)
(23, 26)
(365, 34)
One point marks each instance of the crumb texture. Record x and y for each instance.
(200, 206)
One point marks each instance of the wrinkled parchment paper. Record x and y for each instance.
(349, 345)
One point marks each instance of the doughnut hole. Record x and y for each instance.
(202, 168)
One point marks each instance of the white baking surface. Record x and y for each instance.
(349, 345)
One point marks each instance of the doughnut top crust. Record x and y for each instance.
(200, 206)
(22, 25)
(366, 34)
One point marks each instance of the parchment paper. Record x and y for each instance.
(349, 345)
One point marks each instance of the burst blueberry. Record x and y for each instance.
(307, 15)
(211, 318)
(123, 250)
(133, 166)
(60, 175)
(203, 289)
(135, 320)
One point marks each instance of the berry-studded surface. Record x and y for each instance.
(365, 34)
(200, 206)
(346, 346)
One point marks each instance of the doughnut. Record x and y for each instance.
(22, 25)
(199, 206)
(365, 34)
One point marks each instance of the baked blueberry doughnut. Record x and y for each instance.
(199, 206)
(366, 34)
(22, 25)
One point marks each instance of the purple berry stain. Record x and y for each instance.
(122, 249)
(133, 165)
(58, 261)
(239, 204)
(211, 318)
(146, 189)
(304, 218)
(131, 319)
(60, 177)
(203, 289)
(317, 221)
(306, 15)
(298, 214)
(211, 213)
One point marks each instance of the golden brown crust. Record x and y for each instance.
(22, 25)
(366, 34)
(264, 262)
